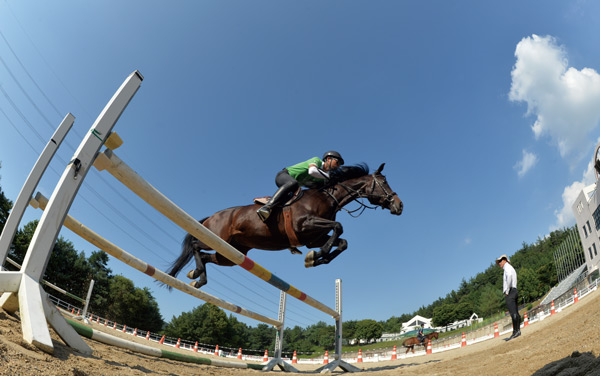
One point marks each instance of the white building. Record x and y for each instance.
(415, 323)
(587, 214)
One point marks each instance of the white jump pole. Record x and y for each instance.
(9, 301)
(121, 255)
(33, 303)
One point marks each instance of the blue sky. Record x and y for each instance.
(486, 115)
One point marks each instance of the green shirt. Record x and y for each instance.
(300, 171)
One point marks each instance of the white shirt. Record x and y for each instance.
(510, 278)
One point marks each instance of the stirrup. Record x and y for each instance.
(264, 213)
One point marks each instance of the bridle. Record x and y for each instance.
(356, 194)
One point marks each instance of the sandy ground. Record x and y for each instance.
(564, 344)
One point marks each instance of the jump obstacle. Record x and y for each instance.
(32, 300)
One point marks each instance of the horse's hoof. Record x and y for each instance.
(309, 260)
(295, 251)
(195, 284)
(193, 274)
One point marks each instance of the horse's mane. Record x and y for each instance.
(344, 173)
(340, 174)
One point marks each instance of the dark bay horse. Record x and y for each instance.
(410, 343)
(312, 218)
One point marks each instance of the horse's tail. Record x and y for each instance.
(189, 244)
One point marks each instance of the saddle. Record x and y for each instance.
(293, 198)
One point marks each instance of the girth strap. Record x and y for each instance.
(289, 231)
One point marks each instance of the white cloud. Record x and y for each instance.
(564, 216)
(529, 160)
(564, 100)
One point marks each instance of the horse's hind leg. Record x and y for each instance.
(201, 259)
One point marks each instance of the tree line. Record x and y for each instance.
(116, 297)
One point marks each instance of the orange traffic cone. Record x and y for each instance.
(196, 347)
(98, 318)
(294, 358)
(496, 333)
(162, 340)
(135, 332)
(463, 342)
(576, 297)
(326, 358)
(115, 326)
(217, 350)
(266, 357)
(124, 327)
(394, 353)
(73, 311)
(105, 322)
(552, 311)
(359, 360)
(526, 321)
(148, 335)
(429, 351)
(178, 343)
(239, 353)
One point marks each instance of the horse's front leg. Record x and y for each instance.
(314, 258)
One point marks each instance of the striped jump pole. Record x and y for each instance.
(122, 172)
(118, 253)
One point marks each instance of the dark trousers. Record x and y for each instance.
(511, 303)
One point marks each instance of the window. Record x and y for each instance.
(589, 227)
(585, 231)
(596, 216)
(590, 249)
(595, 251)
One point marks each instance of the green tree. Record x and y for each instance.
(101, 275)
(262, 337)
(530, 287)
(5, 206)
(349, 329)
(209, 324)
(321, 335)
(368, 330)
(490, 300)
(444, 315)
(133, 306)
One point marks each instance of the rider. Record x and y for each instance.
(301, 174)
(420, 335)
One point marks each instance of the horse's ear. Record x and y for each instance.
(380, 168)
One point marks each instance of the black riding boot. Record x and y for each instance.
(277, 198)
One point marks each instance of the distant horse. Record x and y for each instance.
(410, 343)
(312, 217)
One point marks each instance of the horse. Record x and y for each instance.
(410, 343)
(312, 218)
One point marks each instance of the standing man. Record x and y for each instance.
(509, 288)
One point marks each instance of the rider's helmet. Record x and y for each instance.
(335, 155)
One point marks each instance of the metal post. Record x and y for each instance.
(338, 362)
(277, 360)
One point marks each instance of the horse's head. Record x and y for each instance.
(379, 193)
(355, 182)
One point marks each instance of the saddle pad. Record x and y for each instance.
(264, 200)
